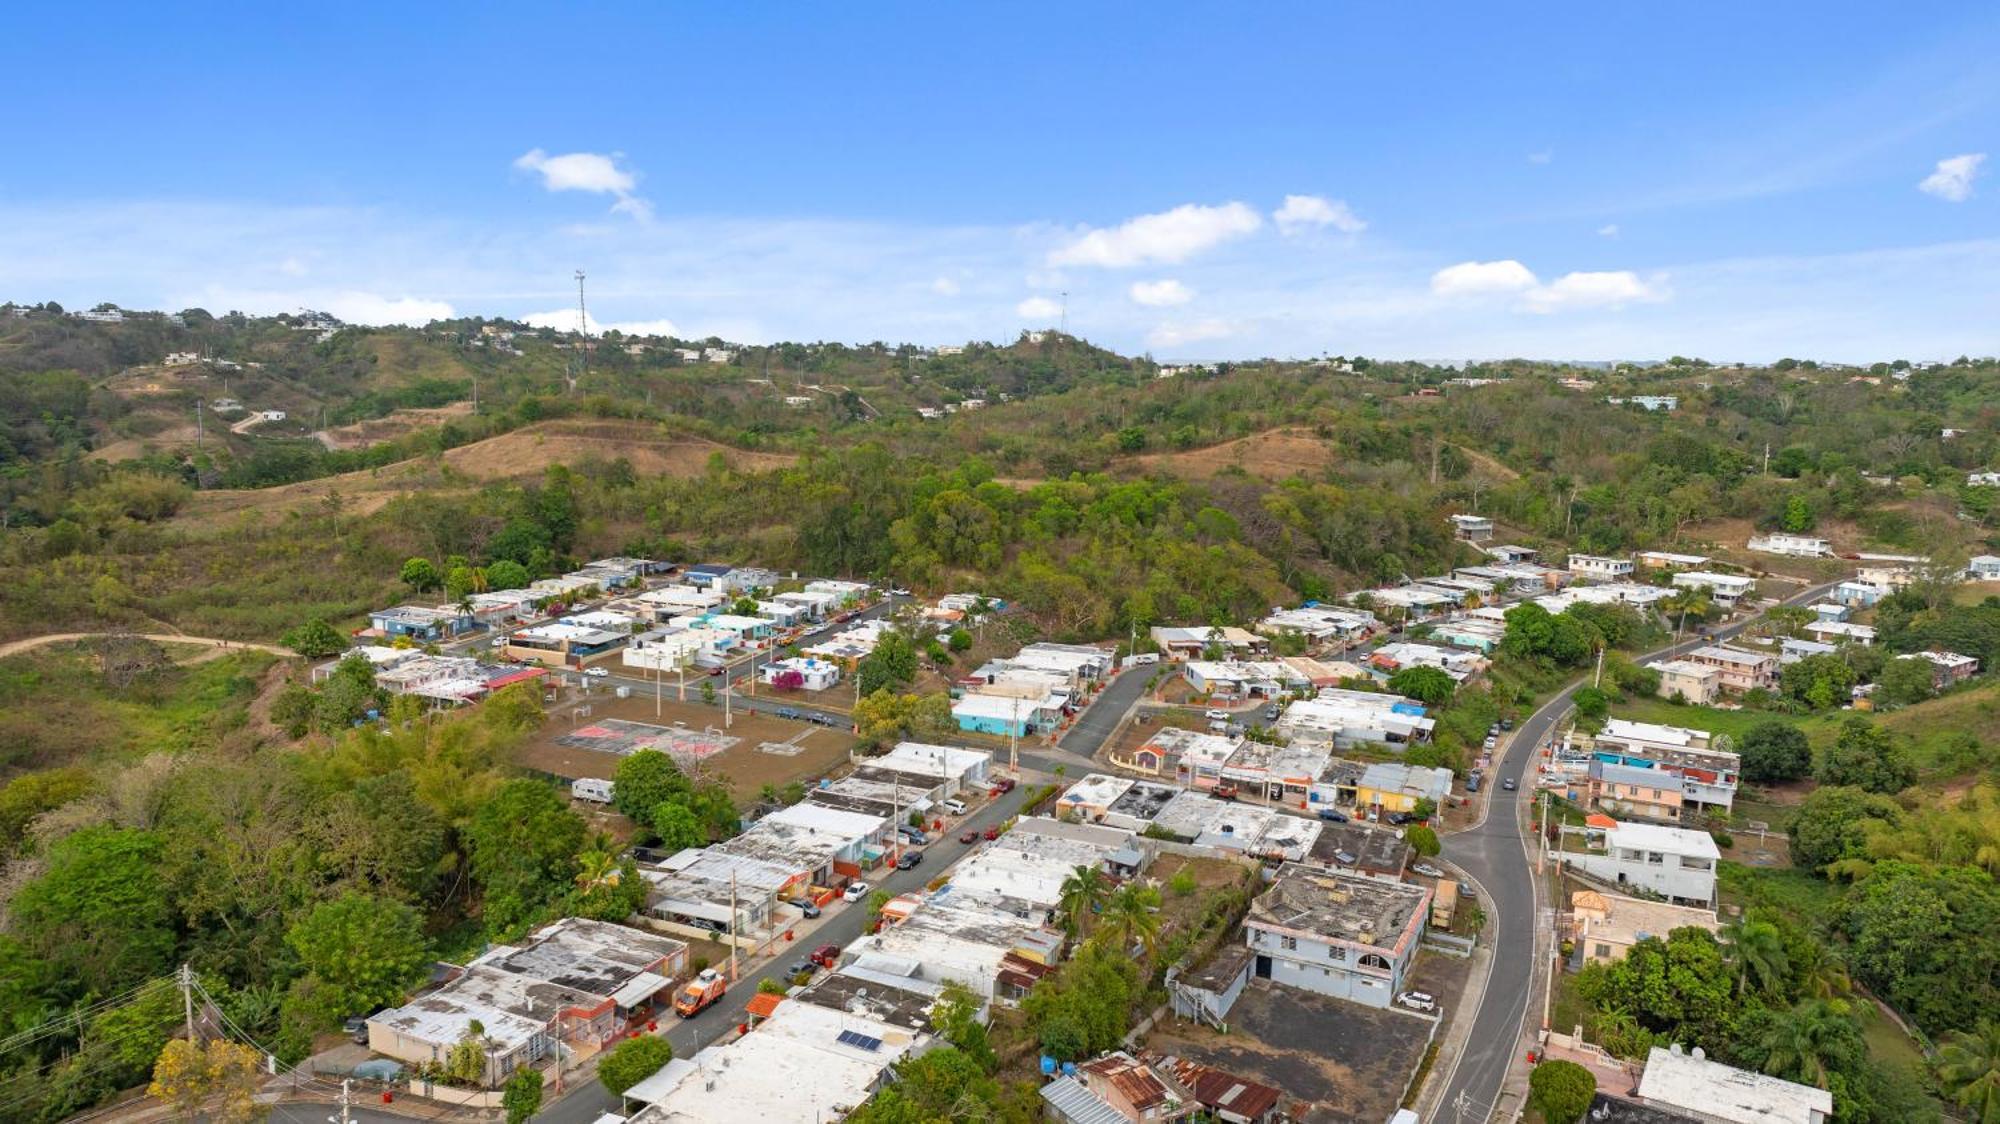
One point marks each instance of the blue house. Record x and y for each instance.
(702, 575)
(421, 623)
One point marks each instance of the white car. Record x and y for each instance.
(499, 641)
(955, 807)
(855, 892)
(899, 592)
(1427, 870)
(1217, 716)
(596, 672)
(1418, 1001)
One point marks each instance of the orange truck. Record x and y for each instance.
(700, 993)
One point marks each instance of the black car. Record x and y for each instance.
(809, 910)
(1400, 818)
(356, 1028)
(908, 860)
(1506, 723)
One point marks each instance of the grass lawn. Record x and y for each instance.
(1735, 723)
(1794, 893)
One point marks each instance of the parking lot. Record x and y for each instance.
(1342, 1061)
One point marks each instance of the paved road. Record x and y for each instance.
(1106, 711)
(843, 924)
(1496, 854)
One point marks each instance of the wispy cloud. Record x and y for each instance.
(1038, 308)
(1180, 335)
(1160, 294)
(1952, 179)
(591, 172)
(1608, 230)
(1169, 237)
(1605, 289)
(564, 320)
(1542, 157)
(1306, 212)
(945, 287)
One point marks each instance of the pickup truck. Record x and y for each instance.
(700, 993)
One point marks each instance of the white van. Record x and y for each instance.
(1142, 658)
(954, 807)
(591, 789)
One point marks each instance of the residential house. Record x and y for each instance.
(1739, 670)
(1697, 683)
(1829, 610)
(1172, 750)
(1675, 863)
(560, 644)
(1664, 403)
(1859, 594)
(1599, 568)
(1278, 773)
(1392, 786)
(1346, 718)
(1223, 1095)
(800, 673)
(1978, 479)
(1947, 668)
(1630, 791)
(1345, 935)
(1791, 649)
(1842, 632)
(1319, 624)
(576, 982)
(1234, 827)
(1723, 589)
(1247, 679)
(1007, 716)
(421, 623)
(1668, 560)
(1362, 849)
(1480, 634)
(1983, 568)
(1790, 546)
(1394, 657)
(1472, 528)
(1509, 553)
(1714, 1093)
(1707, 777)
(1193, 643)
(1604, 927)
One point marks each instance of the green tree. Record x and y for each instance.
(524, 842)
(347, 695)
(1903, 682)
(1428, 685)
(507, 574)
(1775, 751)
(315, 639)
(1925, 938)
(100, 911)
(1822, 681)
(1833, 824)
(632, 1061)
(420, 575)
(1561, 1091)
(956, 1014)
(1592, 704)
(1132, 913)
(1423, 840)
(1865, 756)
(1968, 1070)
(892, 663)
(1755, 953)
(1677, 987)
(365, 953)
(1809, 1042)
(522, 1097)
(644, 781)
(943, 1084)
(1798, 515)
(677, 827)
(1081, 895)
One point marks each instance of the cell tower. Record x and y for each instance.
(579, 358)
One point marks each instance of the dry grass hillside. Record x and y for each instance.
(521, 454)
(388, 428)
(1273, 455)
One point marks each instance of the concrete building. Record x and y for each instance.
(1675, 863)
(1947, 668)
(576, 981)
(1738, 670)
(1841, 632)
(561, 644)
(1244, 679)
(1394, 657)
(1472, 528)
(1600, 568)
(421, 622)
(1790, 546)
(1719, 1094)
(1319, 624)
(1007, 717)
(1172, 750)
(1723, 589)
(1604, 927)
(1668, 560)
(1345, 718)
(1339, 934)
(799, 673)
(1707, 778)
(1192, 643)
(1232, 827)
(1697, 683)
(1629, 791)
(1392, 786)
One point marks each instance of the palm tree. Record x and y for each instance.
(1799, 1043)
(1757, 952)
(1082, 892)
(1822, 972)
(596, 868)
(1968, 1067)
(1133, 914)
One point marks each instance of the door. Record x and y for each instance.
(1263, 967)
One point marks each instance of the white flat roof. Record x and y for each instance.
(1671, 840)
(1723, 1092)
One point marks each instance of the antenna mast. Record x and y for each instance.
(579, 358)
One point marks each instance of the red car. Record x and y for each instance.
(993, 832)
(826, 955)
(1003, 785)
(969, 835)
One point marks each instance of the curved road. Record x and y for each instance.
(16, 647)
(1496, 855)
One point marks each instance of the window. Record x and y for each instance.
(1289, 944)
(1335, 952)
(1603, 951)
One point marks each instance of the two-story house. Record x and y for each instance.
(1337, 933)
(1675, 863)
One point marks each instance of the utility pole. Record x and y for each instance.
(185, 978)
(1065, 313)
(346, 1102)
(732, 926)
(197, 423)
(1598, 679)
(475, 394)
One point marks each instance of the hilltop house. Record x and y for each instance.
(1340, 934)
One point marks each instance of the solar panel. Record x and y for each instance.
(860, 1041)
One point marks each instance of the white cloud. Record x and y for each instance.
(1178, 335)
(1303, 211)
(1482, 278)
(1542, 157)
(591, 172)
(564, 320)
(1170, 237)
(1610, 289)
(1952, 180)
(1161, 293)
(356, 307)
(945, 287)
(1038, 308)
(292, 267)
(1608, 230)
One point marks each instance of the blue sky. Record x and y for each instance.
(1734, 181)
